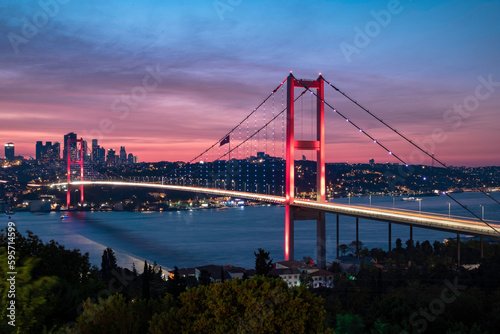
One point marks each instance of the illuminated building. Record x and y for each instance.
(9, 151)
(70, 135)
(111, 157)
(48, 151)
(123, 155)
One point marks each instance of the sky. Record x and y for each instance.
(166, 79)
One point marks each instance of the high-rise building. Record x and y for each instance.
(123, 155)
(130, 159)
(56, 151)
(98, 152)
(48, 151)
(102, 155)
(39, 150)
(9, 151)
(72, 149)
(111, 157)
(85, 153)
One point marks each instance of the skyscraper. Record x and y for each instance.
(102, 155)
(39, 150)
(111, 157)
(123, 155)
(70, 135)
(95, 151)
(84, 149)
(48, 151)
(56, 151)
(9, 151)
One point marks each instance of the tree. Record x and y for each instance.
(257, 305)
(399, 245)
(176, 284)
(263, 264)
(305, 279)
(349, 324)
(108, 264)
(204, 278)
(427, 248)
(343, 249)
(438, 248)
(146, 281)
(31, 297)
(356, 247)
(75, 278)
(111, 315)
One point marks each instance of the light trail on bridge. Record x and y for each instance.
(417, 219)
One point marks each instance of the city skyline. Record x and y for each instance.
(429, 69)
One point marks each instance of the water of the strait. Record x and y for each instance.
(214, 236)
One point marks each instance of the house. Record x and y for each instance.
(321, 278)
(215, 273)
(234, 272)
(290, 271)
(289, 275)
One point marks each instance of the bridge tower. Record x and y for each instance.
(75, 157)
(294, 213)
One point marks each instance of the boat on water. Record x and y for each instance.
(64, 216)
(411, 199)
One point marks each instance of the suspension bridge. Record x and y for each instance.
(256, 160)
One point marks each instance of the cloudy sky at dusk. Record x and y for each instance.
(425, 67)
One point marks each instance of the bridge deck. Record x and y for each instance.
(460, 225)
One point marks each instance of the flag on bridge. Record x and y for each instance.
(224, 141)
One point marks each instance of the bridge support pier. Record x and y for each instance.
(390, 237)
(294, 213)
(357, 237)
(337, 235)
(411, 234)
(482, 243)
(321, 240)
(289, 232)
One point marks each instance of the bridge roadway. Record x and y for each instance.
(459, 225)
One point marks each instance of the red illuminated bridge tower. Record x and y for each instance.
(75, 157)
(294, 213)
